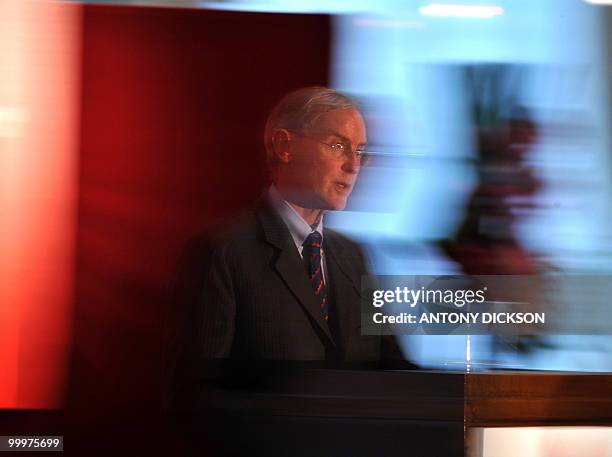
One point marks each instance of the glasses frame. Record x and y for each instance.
(361, 156)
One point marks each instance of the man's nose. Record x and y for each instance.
(352, 163)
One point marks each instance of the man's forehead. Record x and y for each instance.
(343, 122)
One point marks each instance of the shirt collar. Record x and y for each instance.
(298, 227)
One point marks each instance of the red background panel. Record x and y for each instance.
(173, 107)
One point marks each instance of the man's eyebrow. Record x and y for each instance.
(339, 135)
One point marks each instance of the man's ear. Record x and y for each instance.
(281, 145)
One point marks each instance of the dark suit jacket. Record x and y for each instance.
(242, 294)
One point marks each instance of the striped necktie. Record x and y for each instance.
(312, 259)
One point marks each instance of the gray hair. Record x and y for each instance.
(300, 109)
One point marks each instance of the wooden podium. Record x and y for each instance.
(534, 399)
(395, 413)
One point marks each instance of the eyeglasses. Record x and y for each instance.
(339, 150)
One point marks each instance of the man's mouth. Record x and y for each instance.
(343, 186)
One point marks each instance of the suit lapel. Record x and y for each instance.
(289, 265)
(343, 285)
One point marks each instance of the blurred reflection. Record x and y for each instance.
(491, 142)
(486, 241)
(39, 52)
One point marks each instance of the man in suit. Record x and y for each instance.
(276, 285)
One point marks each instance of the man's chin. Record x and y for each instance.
(337, 205)
(330, 203)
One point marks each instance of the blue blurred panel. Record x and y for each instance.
(490, 143)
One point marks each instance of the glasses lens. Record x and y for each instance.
(339, 151)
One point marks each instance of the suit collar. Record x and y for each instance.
(343, 286)
(334, 248)
(288, 263)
